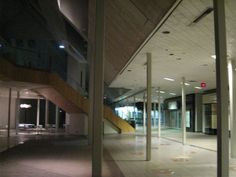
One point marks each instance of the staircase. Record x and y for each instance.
(55, 89)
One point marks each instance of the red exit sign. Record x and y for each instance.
(203, 84)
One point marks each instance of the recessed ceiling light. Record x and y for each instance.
(26, 92)
(234, 69)
(171, 54)
(213, 56)
(169, 79)
(166, 32)
(172, 93)
(199, 88)
(129, 70)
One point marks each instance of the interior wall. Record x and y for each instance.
(76, 73)
(77, 124)
(4, 101)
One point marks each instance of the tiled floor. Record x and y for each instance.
(124, 155)
(169, 158)
(53, 156)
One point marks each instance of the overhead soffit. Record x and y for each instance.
(127, 25)
(192, 46)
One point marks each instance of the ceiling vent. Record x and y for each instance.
(202, 15)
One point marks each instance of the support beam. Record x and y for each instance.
(90, 56)
(97, 146)
(221, 90)
(232, 101)
(17, 111)
(9, 114)
(159, 112)
(46, 113)
(183, 112)
(38, 113)
(149, 106)
(144, 112)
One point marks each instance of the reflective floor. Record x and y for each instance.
(49, 155)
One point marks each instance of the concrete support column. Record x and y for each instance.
(46, 113)
(91, 55)
(149, 106)
(232, 101)
(38, 113)
(9, 115)
(155, 114)
(159, 112)
(57, 118)
(221, 90)
(183, 112)
(98, 91)
(17, 111)
(144, 112)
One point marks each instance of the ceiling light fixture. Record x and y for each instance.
(172, 93)
(166, 32)
(169, 79)
(160, 91)
(187, 84)
(199, 88)
(25, 106)
(213, 56)
(61, 46)
(203, 14)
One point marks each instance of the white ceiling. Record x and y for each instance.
(192, 43)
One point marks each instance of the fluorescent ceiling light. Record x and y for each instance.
(25, 106)
(160, 91)
(187, 84)
(169, 79)
(199, 88)
(61, 46)
(213, 56)
(172, 93)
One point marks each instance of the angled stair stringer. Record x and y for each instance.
(52, 87)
